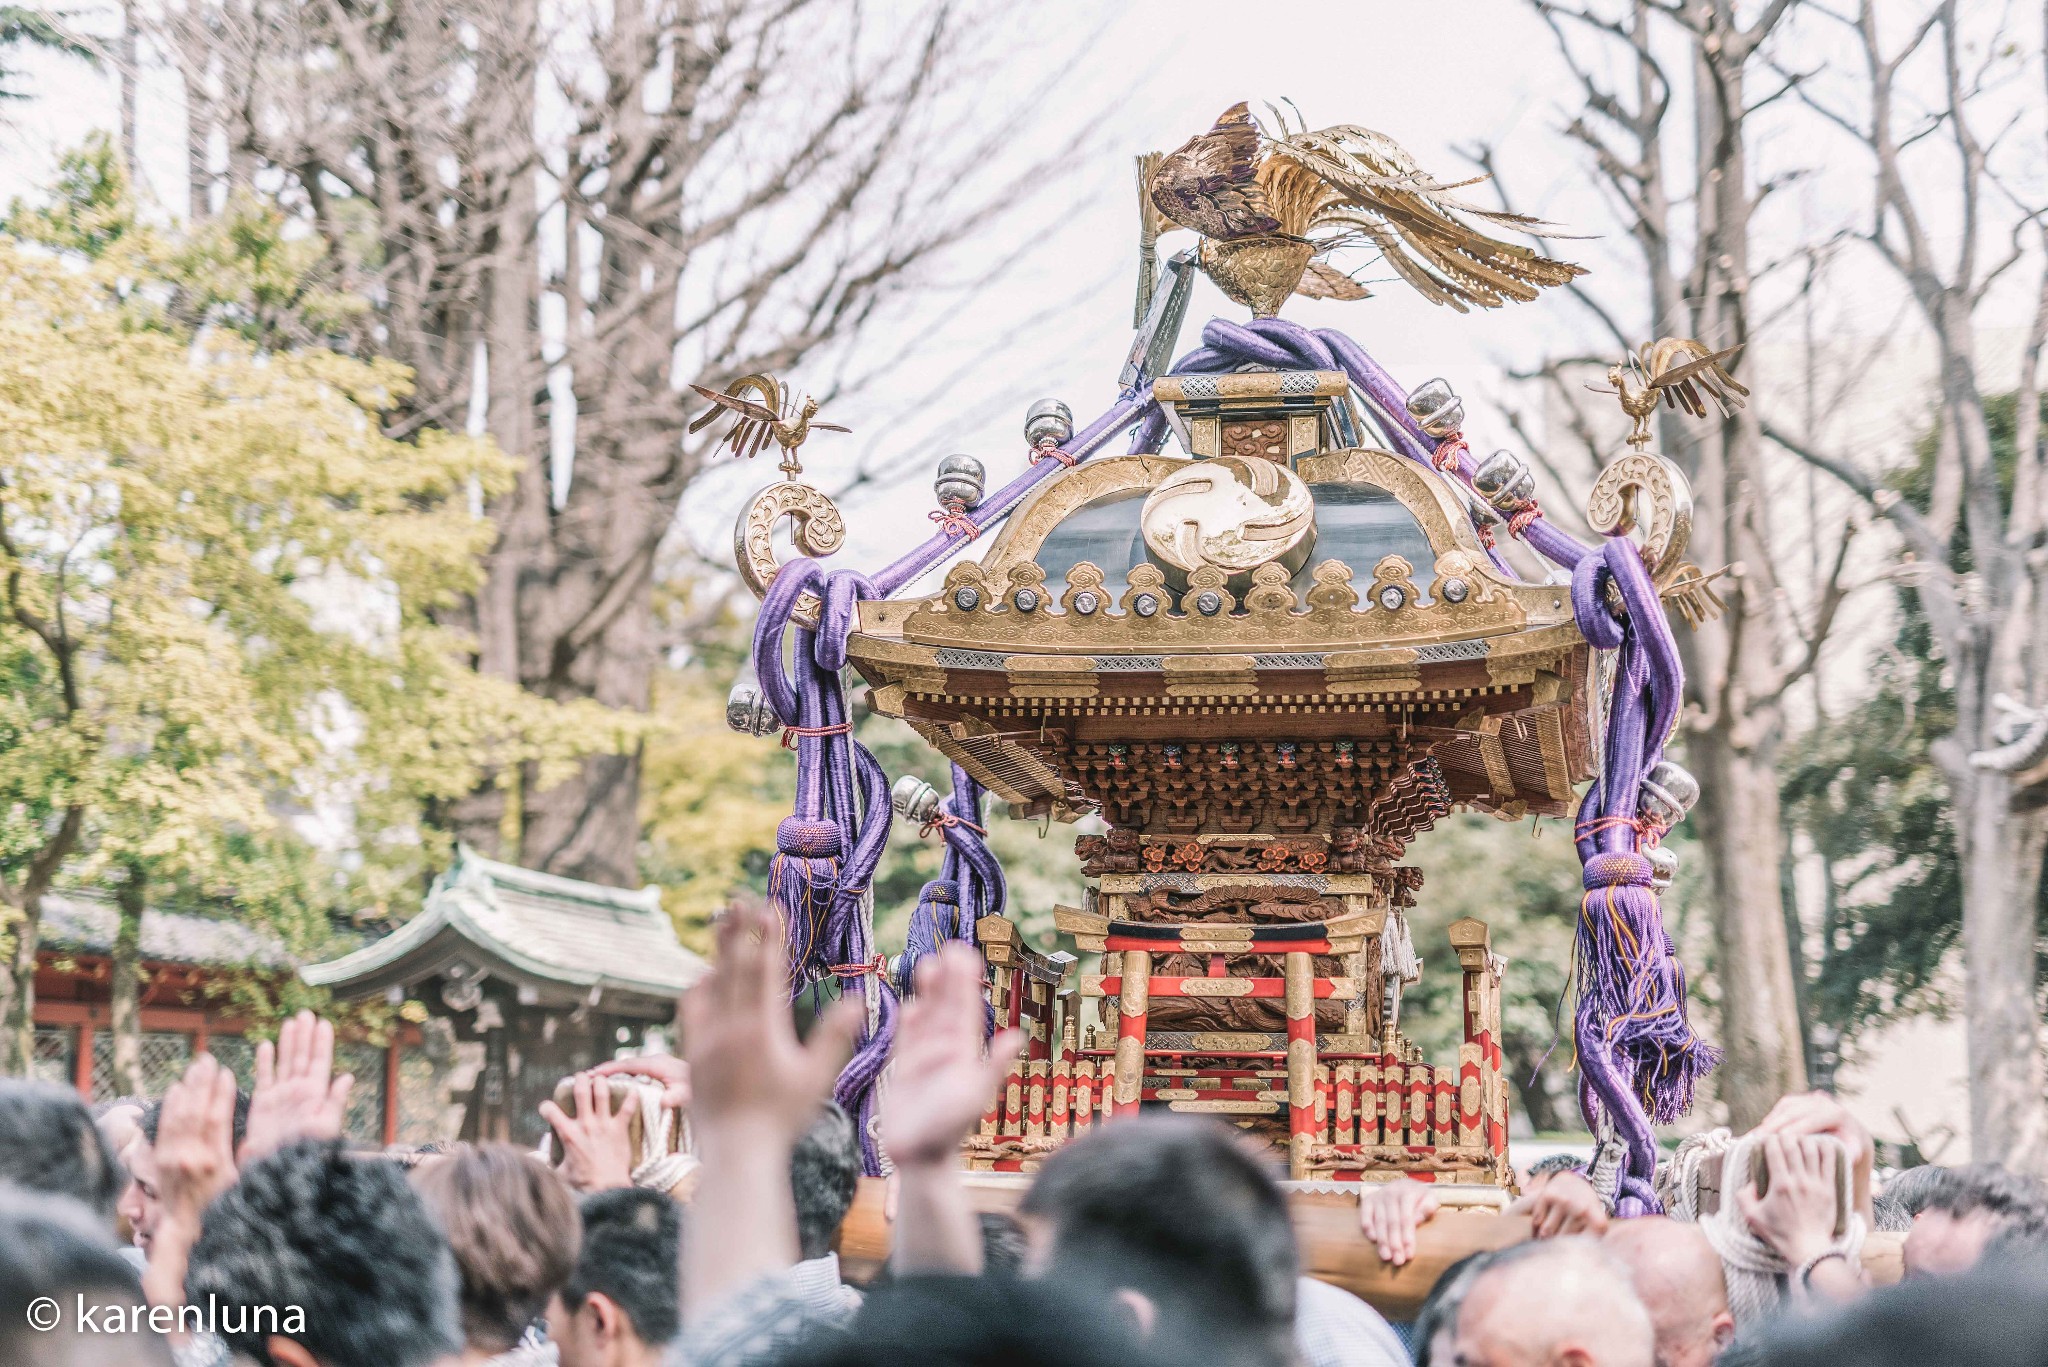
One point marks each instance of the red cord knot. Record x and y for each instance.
(1519, 523)
(837, 728)
(945, 820)
(1485, 530)
(1039, 453)
(955, 522)
(1445, 457)
(876, 967)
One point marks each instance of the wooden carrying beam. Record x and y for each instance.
(1325, 1228)
(1109, 985)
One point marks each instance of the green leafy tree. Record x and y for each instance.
(22, 27)
(217, 584)
(1868, 791)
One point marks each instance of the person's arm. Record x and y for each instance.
(1389, 1213)
(939, 1088)
(757, 1089)
(195, 1162)
(1796, 1217)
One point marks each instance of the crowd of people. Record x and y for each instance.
(210, 1226)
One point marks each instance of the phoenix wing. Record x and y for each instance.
(745, 408)
(1688, 375)
(1210, 182)
(1424, 232)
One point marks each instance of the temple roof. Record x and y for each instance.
(1075, 660)
(563, 941)
(85, 922)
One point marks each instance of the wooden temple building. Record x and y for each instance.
(535, 976)
(1267, 670)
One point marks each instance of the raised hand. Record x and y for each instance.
(756, 1090)
(942, 1077)
(597, 1142)
(297, 1095)
(747, 1069)
(195, 1162)
(195, 1155)
(1389, 1213)
(1565, 1204)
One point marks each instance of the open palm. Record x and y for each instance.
(942, 1080)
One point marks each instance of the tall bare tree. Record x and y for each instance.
(1696, 280)
(562, 213)
(1980, 563)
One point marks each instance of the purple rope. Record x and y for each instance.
(841, 810)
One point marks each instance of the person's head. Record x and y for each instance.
(1556, 1162)
(1986, 1318)
(824, 1174)
(119, 1120)
(619, 1307)
(139, 1206)
(1677, 1276)
(921, 1321)
(1963, 1210)
(344, 1242)
(1173, 1215)
(49, 1144)
(1553, 1303)
(1002, 1245)
(1436, 1323)
(513, 1228)
(1911, 1186)
(55, 1256)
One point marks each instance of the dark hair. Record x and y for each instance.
(631, 1239)
(153, 1116)
(513, 1228)
(1557, 1162)
(1002, 1245)
(1440, 1308)
(922, 1321)
(48, 1143)
(1910, 1188)
(1987, 1318)
(52, 1248)
(1889, 1215)
(1174, 1208)
(346, 1241)
(824, 1174)
(1986, 1187)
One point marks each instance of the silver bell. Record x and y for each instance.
(1505, 482)
(1048, 423)
(960, 481)
(914, 799)
(746, 707)
(1663, 867)
(1668, 793)
(1436, 409)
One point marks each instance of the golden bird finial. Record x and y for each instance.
(1272, 209)
(778, 417)
(1678, 371)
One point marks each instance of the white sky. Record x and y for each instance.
(1437, 75)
